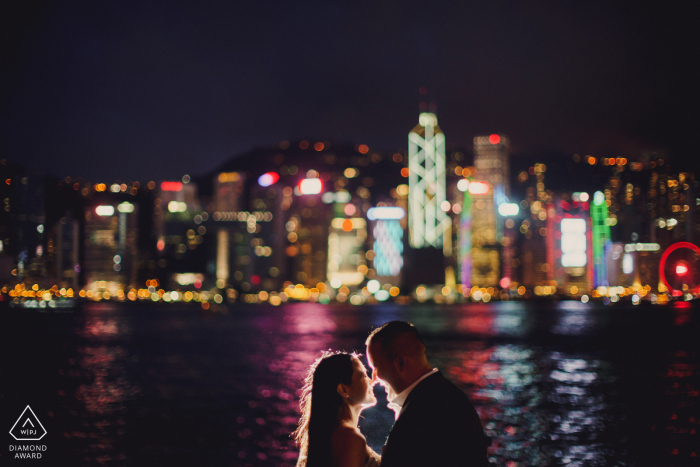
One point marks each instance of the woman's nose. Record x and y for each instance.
(374, 375)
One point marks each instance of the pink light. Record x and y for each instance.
(494, 139)
(268, 179)
(310, 186)
(478, 188)
(505, 282)
(171, 186)
(681, 269)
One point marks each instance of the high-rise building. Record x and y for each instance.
(427, 218)
(387, 248)
(574, 249)
(491, 161)
(228, 191)
(111, 236)
(65, 246)
(600, 239)
(310, 252)
(346, 241)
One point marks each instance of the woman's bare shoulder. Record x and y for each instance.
(348, 434)
(348, 440)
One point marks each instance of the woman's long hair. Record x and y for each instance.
(320, 407)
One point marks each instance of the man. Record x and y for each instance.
(436, 425)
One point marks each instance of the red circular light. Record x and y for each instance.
(662, 264)
(494, 139)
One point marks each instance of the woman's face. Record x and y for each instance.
(361, 389)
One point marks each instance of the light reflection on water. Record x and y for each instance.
(103, 387)
(566, 384)
(539, 406)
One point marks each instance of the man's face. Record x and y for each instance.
(383, 371)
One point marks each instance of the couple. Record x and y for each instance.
(436, 425)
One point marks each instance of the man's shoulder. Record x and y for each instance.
(438, 388)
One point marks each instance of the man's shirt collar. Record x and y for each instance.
(397, 402)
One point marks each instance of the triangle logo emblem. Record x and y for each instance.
(28, 427)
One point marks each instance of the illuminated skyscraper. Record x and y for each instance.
(228, 190)
(388, 240)
(346, 239)
(573, 244)
(601, 237)
(492, 166)
(228, 187)
(65, 247)
(465, 236)
(427, 183)
(111, 233)
(247, 242)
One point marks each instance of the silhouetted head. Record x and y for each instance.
(396, 354)
(333, 382)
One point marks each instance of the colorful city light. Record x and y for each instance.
(171, 186)
(104, 210)
(427, 183)
(388, 247)
(494, 139)
(681, 268)
(627, 264)
(176, 206)
(573, 243)
(310, 186)
(598, 198)
(478, 188)
(226, 177)
(125, 207)
(267, 179)
(508, 209)
(463, 184)
(338, 197)
(385, 213)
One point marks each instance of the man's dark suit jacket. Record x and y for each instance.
(437, 426)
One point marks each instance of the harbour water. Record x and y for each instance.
(555, 383)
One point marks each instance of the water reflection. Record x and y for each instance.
(574, 319)
(554, 384)
(104, 387)
(539, 406)
(293, 339)
(580, 412)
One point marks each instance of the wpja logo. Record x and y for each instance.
(28, 428)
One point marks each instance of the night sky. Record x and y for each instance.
(109, 90)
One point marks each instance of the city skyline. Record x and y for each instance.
(320, 222)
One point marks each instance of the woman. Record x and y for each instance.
(336, 390)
